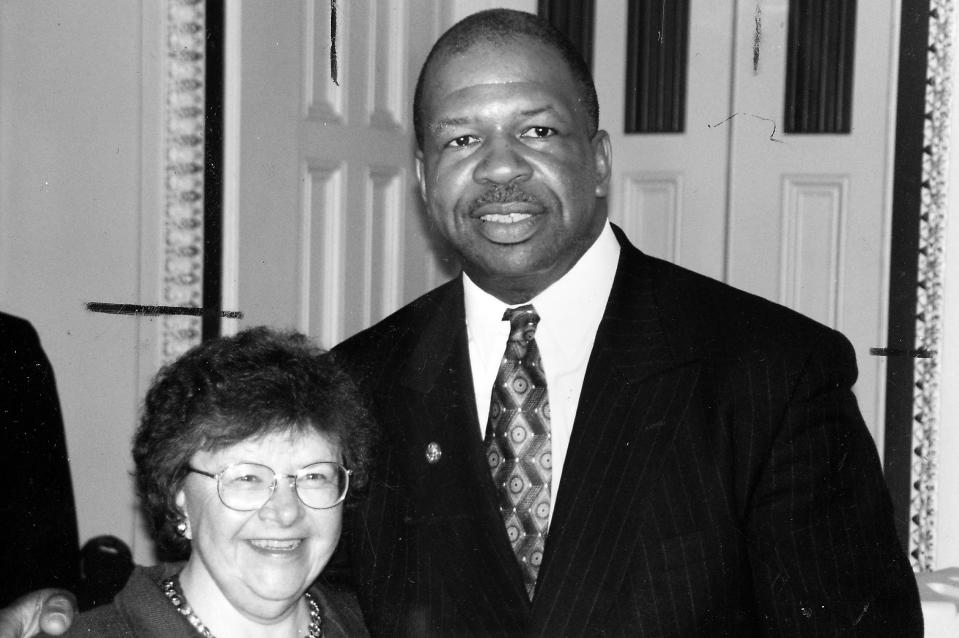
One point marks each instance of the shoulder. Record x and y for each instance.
(393, 338)
(140, 609)
(23, 363)
(17, 335)
(340, 611)
(11, 326)
(702, 314)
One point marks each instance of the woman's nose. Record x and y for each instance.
(502, 162)
(283, 506)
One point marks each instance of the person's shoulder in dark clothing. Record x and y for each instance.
(36, 498)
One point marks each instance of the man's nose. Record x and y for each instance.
(283, 506)
(502, 162)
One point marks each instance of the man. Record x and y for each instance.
(711, 474)
(662, 455)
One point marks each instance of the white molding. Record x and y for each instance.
(798, 255)
(387, 55)
(182, 271)
(232, 88)
(153, 27)
(652, 212)
(322, 284)
(384, 227)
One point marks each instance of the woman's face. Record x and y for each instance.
(260, 561)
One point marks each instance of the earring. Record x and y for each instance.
(181, 528)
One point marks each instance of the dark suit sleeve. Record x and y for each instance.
(825, 556)
(39, 526)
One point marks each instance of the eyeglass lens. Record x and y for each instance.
(248, 486)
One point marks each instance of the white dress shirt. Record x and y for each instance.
(570, 311)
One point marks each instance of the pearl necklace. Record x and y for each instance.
(171, 590)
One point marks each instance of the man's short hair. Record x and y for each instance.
(498, 27)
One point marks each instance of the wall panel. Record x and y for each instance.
(811, 247)
(655, 212)
(321, 252)
(386, 255)
(389, 51)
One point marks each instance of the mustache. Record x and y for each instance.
(503, 194)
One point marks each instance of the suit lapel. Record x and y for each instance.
(634, 398)
(460, 527)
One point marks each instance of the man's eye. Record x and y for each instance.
(462, 141)
(539, 132)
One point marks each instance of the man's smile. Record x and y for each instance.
(508, 218)
(508, 223)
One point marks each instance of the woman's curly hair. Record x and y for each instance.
(232, 389)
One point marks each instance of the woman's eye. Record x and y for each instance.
(539, 132)
(247, 478)
(462, 141)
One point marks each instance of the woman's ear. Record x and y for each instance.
(183, 527)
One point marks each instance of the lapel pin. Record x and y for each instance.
(433, 453)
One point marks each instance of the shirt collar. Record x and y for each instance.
(570, 309)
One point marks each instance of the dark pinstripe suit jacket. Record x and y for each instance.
(719, 480)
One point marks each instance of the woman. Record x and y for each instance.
(246, 450)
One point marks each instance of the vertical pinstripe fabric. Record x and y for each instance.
(719, 480)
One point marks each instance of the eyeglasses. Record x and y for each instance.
(248, 486)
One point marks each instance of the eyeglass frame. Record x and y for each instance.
(276, 478)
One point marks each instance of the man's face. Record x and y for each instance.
(508, 170)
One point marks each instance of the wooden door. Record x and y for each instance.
(324, 213)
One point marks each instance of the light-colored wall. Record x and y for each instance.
(78, 200)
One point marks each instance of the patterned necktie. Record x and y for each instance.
(518, 443)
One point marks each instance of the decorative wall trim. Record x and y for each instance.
(819, 67)
(183, 146)
(933, 208)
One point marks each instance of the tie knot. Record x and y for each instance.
(522, 322)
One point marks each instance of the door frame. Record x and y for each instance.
(916, 293)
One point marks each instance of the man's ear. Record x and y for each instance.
(421, 174)
(603, 157)
(180, 501)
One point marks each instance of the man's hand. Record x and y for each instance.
(48, 610)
